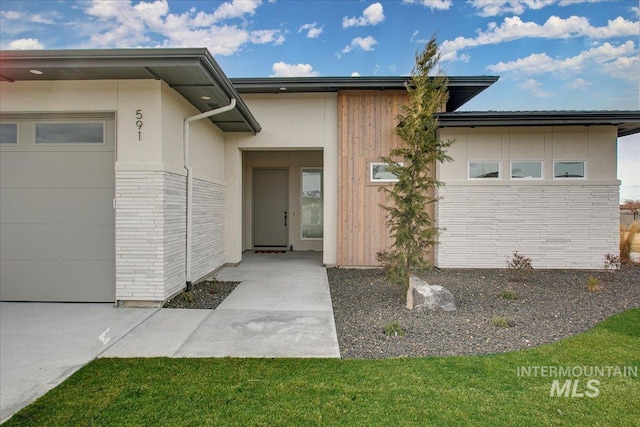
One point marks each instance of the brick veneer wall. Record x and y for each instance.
(557, 226)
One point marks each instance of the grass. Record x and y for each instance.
(593, 284)
(508, 295)
(394, 329)
(475, 390)
(500, 322)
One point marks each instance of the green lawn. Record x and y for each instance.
(476, 390)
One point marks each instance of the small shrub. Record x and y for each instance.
(612, 262)
(520, 266)
(394, 329)
(501, 322)
(508, 295)
(593, 284)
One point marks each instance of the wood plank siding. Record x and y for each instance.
(366, 131)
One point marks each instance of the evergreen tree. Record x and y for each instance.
(412, 229)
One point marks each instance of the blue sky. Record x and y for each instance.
(549, 54)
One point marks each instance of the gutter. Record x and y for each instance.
(187, 166)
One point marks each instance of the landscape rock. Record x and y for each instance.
(423, 296)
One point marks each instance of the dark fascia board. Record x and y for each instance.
(627, 122)
(230, 89)
(15, 66)
(461, 88)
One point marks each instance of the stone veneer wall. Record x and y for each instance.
(557, 226)
(151, 233)
(208, 252)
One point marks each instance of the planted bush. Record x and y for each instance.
(520, 266)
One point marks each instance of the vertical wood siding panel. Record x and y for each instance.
(367, 122)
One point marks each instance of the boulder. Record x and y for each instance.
(423, 296)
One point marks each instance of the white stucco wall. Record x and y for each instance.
(289, 122)
(558, 223)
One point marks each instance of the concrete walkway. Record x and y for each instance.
(282, 308)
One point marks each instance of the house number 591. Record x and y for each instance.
(139, 123)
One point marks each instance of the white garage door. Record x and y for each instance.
(57, 223)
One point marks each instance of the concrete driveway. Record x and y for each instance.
(282, 308)
(42, 344)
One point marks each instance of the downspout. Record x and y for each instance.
(187, 166)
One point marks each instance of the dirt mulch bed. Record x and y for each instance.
(207, 294)
(546, 307)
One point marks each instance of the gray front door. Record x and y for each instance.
(270, 216)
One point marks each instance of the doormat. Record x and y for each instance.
(268, 251)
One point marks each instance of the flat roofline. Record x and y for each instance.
(140, 63)
(461, 88)
(627, 122)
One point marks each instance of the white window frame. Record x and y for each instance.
(540, 162)
(70, 122)
(312, 169)
(584, 168)
(485, 178)
(375, 181)
(12, 144)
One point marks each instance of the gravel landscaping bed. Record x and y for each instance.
(207, 294)
(547, 306)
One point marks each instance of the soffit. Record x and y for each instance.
(461, 89)
(193, 73)
(627, 122)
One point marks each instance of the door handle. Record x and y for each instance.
(285, 218)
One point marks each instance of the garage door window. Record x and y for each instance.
(8, 133)
(70, 133)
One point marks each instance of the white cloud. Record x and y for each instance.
(45, 17)
(39, 19)
(534, 87)
(539, 63)
(355, 74)
(502, 7)
(365, 44)
(121, 23)
(513, 28)
(236, 9)
(487, 8)
(625, 67)
(431, 4)
(578, 84)
(282, 69)
(313, 31)
(372, 15)
(11, 14)
(25, 44)
(267, 36)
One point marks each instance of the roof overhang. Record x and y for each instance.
(627, 122)
(461, 89)
(192, 72)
